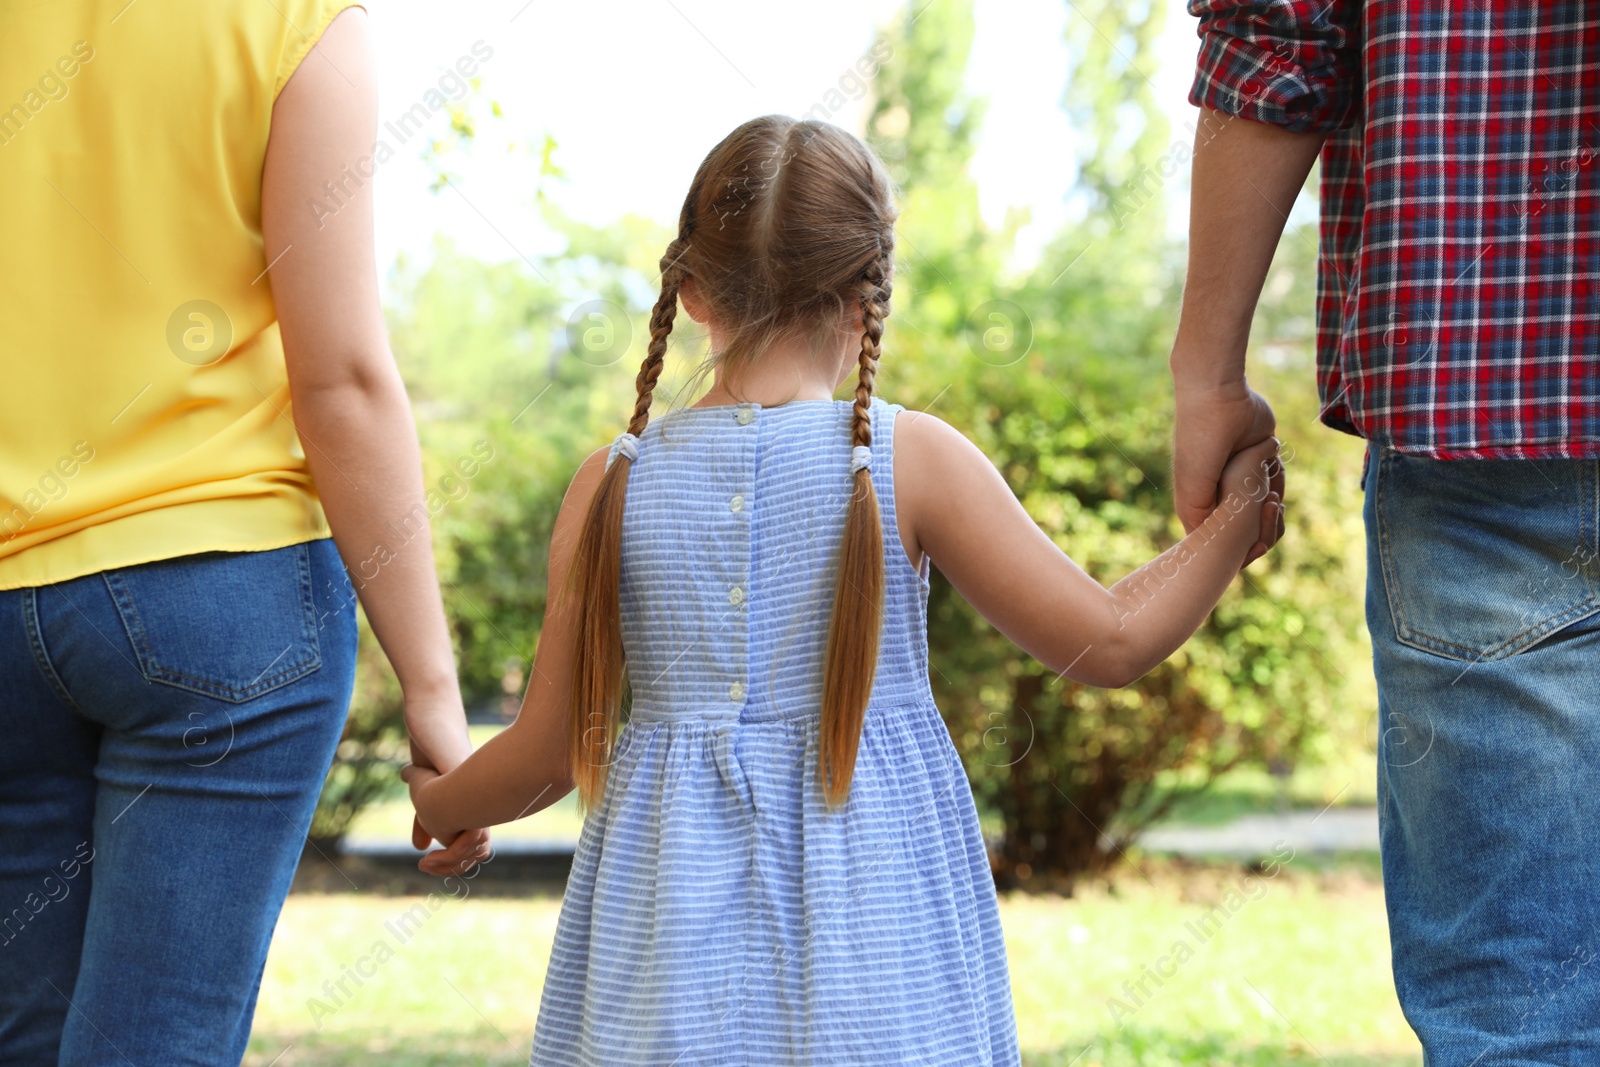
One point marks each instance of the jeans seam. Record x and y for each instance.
(308, 604)
(132, 625)
(1391, 591)
(41, 655)
(1591, 515)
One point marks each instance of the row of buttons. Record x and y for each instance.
(736, 597)
(736, 503)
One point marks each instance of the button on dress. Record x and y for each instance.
(717, 913)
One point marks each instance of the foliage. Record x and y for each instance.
(1060, 378)
(1057, 371)
(510, 395)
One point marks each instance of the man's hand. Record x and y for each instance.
(1212, 423)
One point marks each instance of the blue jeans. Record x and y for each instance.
(1483, 600)
(164, 733)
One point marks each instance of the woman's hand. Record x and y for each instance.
(438, 715)
(417, 778)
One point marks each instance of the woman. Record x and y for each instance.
(198, 391)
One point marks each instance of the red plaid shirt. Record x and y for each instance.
(1458, 280)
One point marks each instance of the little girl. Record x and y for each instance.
(781, 861)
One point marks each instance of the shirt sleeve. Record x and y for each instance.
(1289, 63)
(302, 25)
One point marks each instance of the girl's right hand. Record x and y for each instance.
(1247, 479)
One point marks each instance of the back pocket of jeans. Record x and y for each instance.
(1483, 559)
(229, 625)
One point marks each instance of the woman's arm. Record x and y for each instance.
(954, 505)
(349, 404)
(524, 768)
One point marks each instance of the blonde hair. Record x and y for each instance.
(787, 227)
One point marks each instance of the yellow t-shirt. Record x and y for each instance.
(144, 403)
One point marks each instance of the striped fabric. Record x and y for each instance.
(1458, 311)
(717, 913)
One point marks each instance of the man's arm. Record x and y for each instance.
(1272, 80)
(1245, 177)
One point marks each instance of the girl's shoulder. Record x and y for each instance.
(932, 458)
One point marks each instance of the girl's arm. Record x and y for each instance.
(522, 769)
(954, 505)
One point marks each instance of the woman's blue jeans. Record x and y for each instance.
(165, 730)
(1483, 600)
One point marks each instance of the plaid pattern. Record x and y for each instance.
(1458, 279)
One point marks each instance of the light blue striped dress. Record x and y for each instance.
(717, 913)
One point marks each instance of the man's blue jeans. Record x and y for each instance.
(1483, 599)
(164, 733)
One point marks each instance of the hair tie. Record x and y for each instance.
(627, 444)
(860, 458)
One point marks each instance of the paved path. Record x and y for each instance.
(504, 845)
(1332, 830)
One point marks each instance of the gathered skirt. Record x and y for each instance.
(718, 914)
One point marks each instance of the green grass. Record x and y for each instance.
(1298, 970)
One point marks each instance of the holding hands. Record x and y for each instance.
(1223, 443)
(1253, 477)
(464, 849)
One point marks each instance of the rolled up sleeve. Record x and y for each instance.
(1288, 63)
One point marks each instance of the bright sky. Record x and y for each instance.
(636, 92)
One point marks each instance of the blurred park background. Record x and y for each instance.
(1187, 867)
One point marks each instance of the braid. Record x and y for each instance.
(853, 632)
(875, 291)
(594, 579)
(661, 319)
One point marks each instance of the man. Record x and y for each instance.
(1458, 323)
